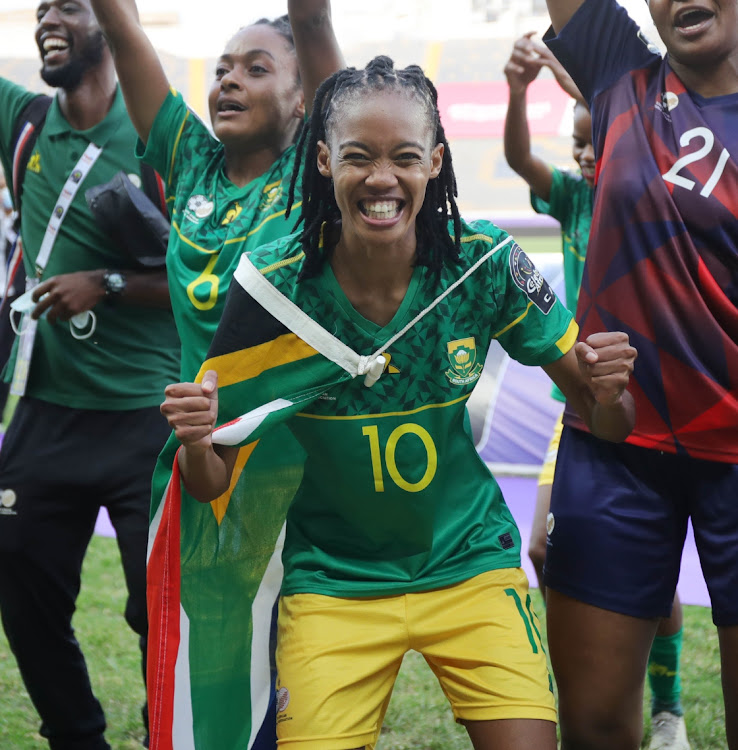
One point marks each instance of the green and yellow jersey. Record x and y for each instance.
(133, 353)
(394, 497)
(213, 220)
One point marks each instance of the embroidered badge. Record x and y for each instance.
(462, 355)
(198, 208)
(272, 193)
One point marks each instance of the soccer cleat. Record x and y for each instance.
(668, 732)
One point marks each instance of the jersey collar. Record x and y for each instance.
(56, 124)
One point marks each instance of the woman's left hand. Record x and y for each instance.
(606, 361)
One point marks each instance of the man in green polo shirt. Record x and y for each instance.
(87, 429)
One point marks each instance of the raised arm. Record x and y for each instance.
(561, 11)
(593, 376)
(140, 73)
(521, 70)
(318, 53)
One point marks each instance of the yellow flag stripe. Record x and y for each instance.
(245, 364)
(220, 504)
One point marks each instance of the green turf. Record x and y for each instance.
(418, 715)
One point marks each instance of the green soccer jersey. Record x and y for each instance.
(570, 203)
(394, 496)
(213, 220)
(134, 351)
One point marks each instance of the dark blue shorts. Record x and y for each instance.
(619, 520)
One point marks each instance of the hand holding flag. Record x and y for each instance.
(192, 409)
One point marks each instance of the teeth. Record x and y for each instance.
(382, 209)
(52, 43)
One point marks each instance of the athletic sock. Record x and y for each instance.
(663, 674)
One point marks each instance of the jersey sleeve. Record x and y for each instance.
(559, 204)
(13, 100)
(176, 134)
(598, 45)
(531, 323)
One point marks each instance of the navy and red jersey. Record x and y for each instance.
(662, 260)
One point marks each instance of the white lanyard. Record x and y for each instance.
(29, 326)
(71, 186)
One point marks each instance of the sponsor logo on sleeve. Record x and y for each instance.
(528, 278)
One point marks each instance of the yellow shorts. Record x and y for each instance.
(549, 465)
(337, 659)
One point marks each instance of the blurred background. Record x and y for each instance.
(461, 45)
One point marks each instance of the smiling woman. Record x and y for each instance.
(398, 537)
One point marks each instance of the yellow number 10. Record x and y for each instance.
(389, 457)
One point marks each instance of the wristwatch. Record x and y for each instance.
(114, 282)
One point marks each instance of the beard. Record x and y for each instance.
(70, 76)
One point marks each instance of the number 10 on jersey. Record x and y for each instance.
(410, 431)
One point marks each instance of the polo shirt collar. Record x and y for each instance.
(100, 134)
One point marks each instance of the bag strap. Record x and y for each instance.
(25, 134)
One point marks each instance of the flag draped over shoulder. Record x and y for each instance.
(214, 570)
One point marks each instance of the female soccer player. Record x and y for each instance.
(398, 537)
(567, 197)
(227, 194)
(662, 264)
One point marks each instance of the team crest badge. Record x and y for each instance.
(666, 102)
(198, 208)
(272, 193)
(34, 163)
(232, 214)
(528, 278)
(462, 354)
(283, 699)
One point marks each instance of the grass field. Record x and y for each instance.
(418, 717)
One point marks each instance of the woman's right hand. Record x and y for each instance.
(192, 410)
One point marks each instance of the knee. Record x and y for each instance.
(603, 731)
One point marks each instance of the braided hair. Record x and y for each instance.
(435, 244)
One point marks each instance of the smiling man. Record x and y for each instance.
(87, 428)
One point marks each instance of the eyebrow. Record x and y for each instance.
(250, 53)
(359, 144)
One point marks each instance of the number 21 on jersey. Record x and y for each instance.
(708, 137)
